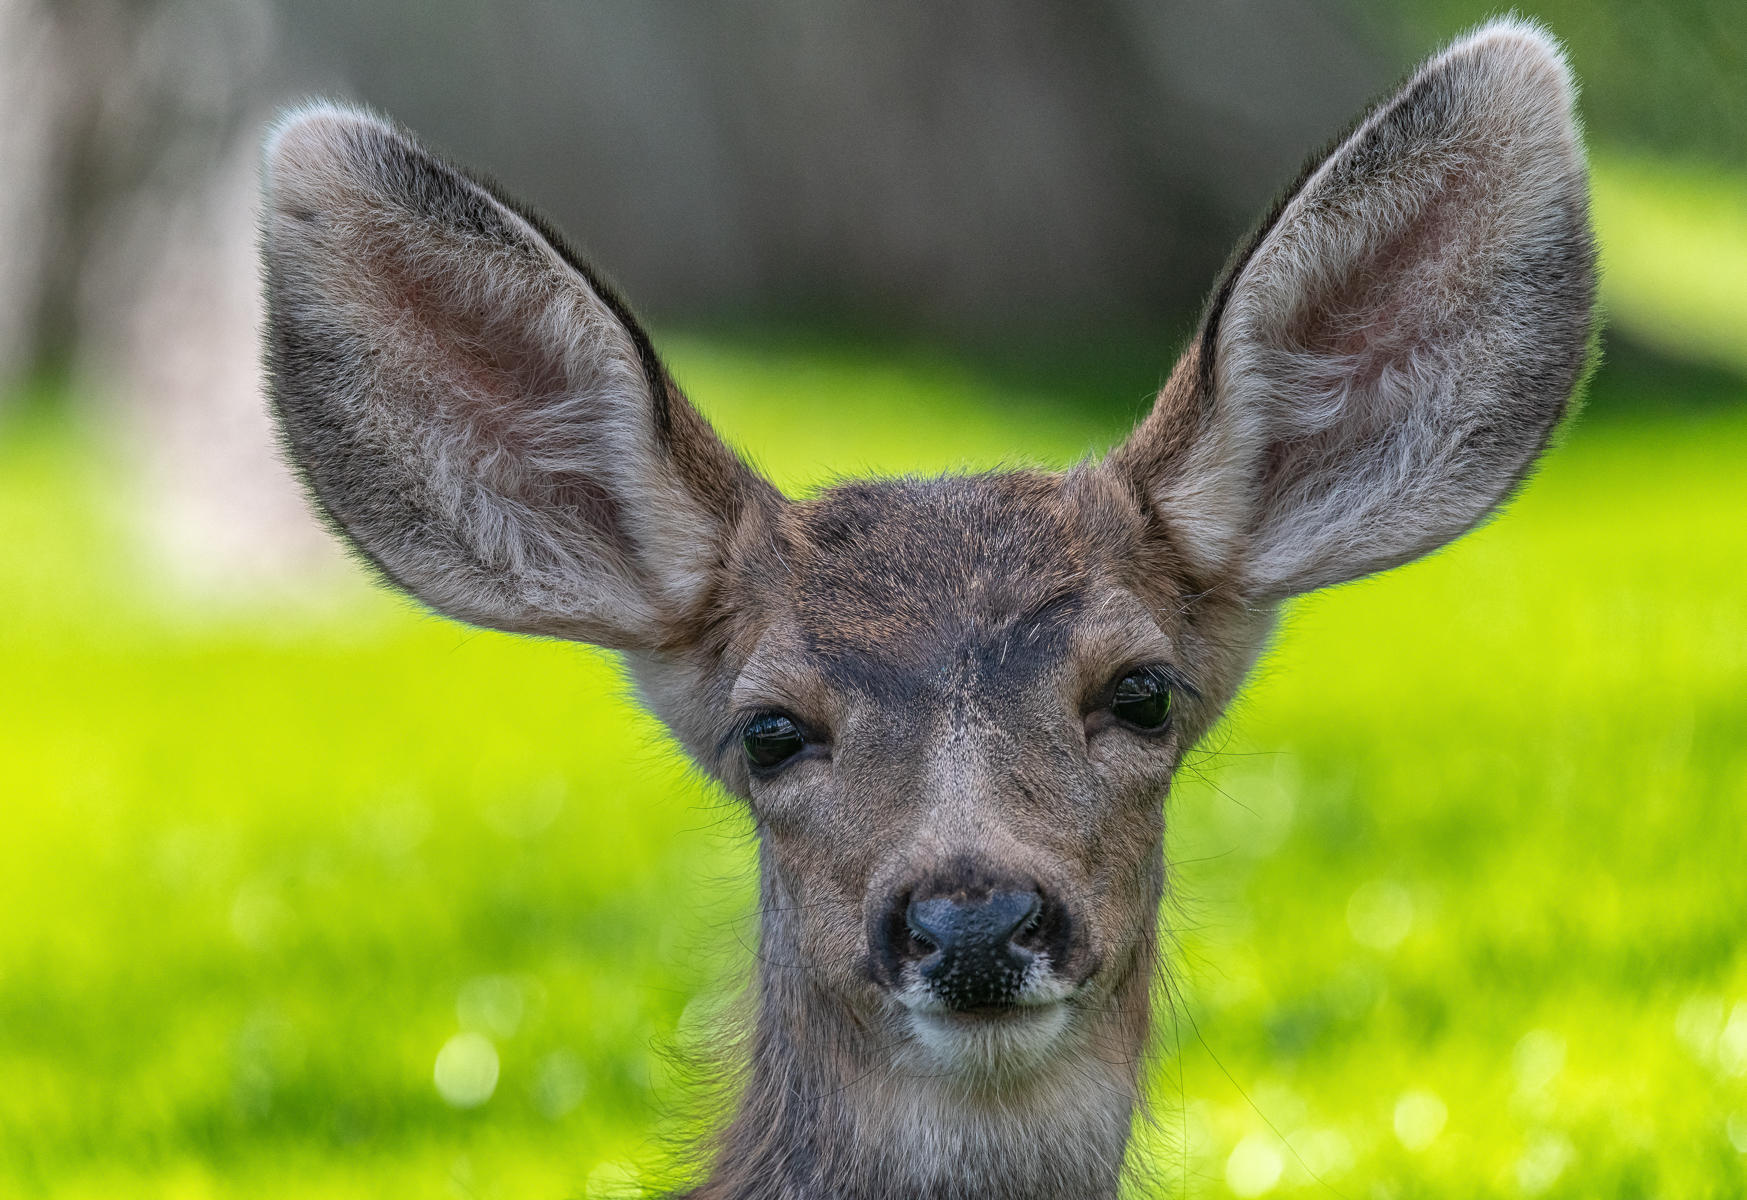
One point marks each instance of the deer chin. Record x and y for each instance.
(991, 1045)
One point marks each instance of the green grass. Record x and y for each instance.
(1464, 899)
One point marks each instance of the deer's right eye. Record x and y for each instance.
(771, 740)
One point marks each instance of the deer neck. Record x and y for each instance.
(837, 1106)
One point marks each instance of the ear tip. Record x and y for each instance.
(1522, 51)
(312, 141)
(1512, 34)
(1519, 89)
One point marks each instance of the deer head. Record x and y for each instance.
(953, 706)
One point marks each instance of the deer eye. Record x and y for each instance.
(1142, 699)
(771, 739)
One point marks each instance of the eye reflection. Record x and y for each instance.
(1142, 698)
(771, 739)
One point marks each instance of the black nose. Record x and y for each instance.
(972, 960)
(972, 949)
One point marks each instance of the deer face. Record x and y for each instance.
(953, 707)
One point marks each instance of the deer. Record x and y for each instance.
(952, 707)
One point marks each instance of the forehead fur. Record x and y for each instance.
(895, 568)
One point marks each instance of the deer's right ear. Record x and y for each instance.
(478, 415)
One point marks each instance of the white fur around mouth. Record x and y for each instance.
(991, 1043)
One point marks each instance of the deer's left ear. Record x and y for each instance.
(1390, 354)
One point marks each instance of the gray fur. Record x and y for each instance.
(486, 422)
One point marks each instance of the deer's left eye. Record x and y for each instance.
(1142, 699)
(771, 739)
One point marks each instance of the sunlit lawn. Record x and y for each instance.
(1463, 882)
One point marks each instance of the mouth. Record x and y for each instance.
(992, 1043)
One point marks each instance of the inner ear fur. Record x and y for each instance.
(1388, 356)
(473, 409)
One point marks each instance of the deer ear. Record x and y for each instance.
(475, 412)
(1384, 362)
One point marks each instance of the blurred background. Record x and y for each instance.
(304, 893)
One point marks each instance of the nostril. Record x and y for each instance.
(1011, 914)
(1028, 934)
(934, 924)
